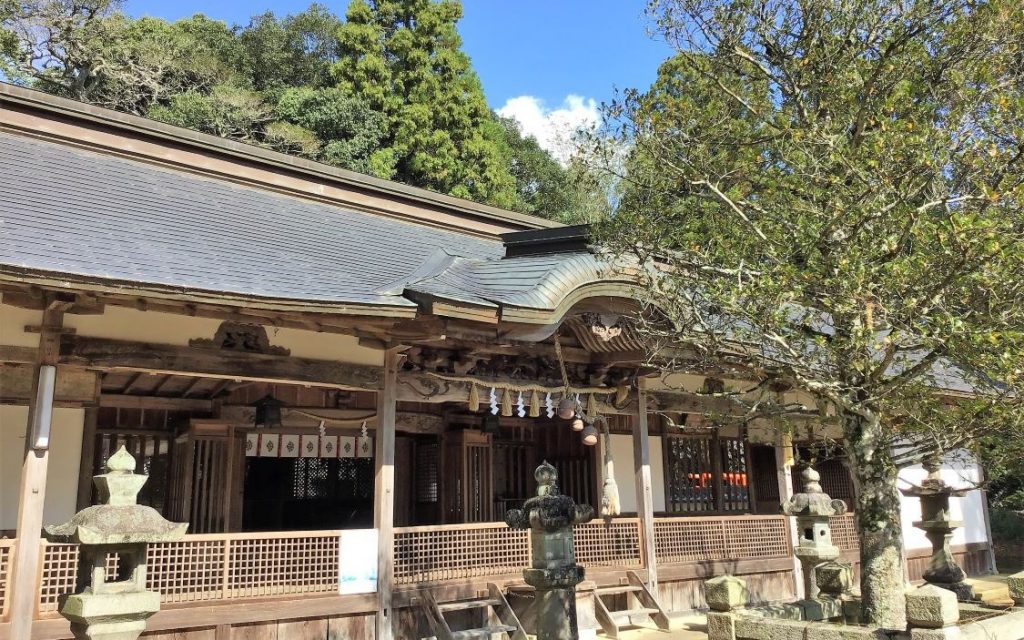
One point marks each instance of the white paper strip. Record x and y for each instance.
(269, 445)
(346, 446)
(310, 446)
(364, 447)
(289, 446)
(252, 444)
(328, 446)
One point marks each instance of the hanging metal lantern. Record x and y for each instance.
(566, 408)
(577, 424)
(590, 434)
(268, 412)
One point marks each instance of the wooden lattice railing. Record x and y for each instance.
(609, 543)
(844, 532)
(459, 551)
(6, 554)
(218, 567)
(209, 567)
(685, 540)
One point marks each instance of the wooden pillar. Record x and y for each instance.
(24, 582)
(384, 493)
(784, 468)
(644, 489)
(88, 459)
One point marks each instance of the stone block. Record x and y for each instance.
(725, 593)
(946, 633)
(1015, 584)
(765, 629)
(820, 609)
(834, 578)
(851, 610)
(932, 607)
(833, 631)
(721, 626)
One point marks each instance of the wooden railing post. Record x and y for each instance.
(226, 572)
(644, 489)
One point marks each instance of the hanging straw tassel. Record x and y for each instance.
(610, 506)
(506, 403)
(535, 404)
(474, 398)
(592, 405)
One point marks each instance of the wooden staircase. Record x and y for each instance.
(495, 601)
(613, 621)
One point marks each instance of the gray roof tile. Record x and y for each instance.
(73, 211)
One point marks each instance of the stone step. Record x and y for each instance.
(483, 633)
(614, 591)
(468, 604)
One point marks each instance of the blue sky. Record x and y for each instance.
(548, 63)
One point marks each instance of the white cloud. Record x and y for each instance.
(554, 129)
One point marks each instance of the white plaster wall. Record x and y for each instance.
(13, 321)
(62, 469)
(625, 477)
(959, 471)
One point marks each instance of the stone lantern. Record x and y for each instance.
(113, 609)
(938, 526)
(554, 573)
(812, 509)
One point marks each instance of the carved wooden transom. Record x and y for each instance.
(238, 336)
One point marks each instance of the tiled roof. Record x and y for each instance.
(65, 210)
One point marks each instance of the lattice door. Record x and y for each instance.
(201, 482)
(468, 477)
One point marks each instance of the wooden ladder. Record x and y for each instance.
(612, 621)
(509, 624)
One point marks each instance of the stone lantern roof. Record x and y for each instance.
(120, 520)
(812, 501)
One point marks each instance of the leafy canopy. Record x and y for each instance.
(388, 91)
(832, 194)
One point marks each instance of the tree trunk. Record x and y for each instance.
(882, 582)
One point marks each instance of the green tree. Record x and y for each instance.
(404, 58)
(831, 192)
(293, 51)
(573, 194)
(389, 92)
(89, 52)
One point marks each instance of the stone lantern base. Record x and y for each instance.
(109, 616)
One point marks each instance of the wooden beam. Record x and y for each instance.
(153, 402)
(18, 355)
(73, 388)
(118, 355)
(384, 493)
(25, 573)
(645, 490)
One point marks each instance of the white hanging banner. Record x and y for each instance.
(364, 447)
(269, 445)
(252, 444)
(310, 446)
(289, 445)
(328, 446)
(346, 446)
